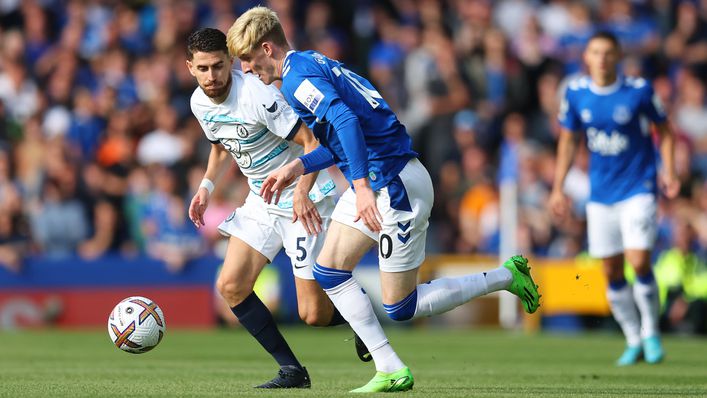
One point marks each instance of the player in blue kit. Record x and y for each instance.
(388, 202)
(615, 112)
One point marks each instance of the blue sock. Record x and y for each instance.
(646, 279)
(617, 285)
(404, 309)
(328, 278)
(258, 321)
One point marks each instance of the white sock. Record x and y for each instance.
(443, 294)
(355, 306)
(624, 310)
(648, 303)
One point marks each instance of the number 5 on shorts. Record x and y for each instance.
(301, 249)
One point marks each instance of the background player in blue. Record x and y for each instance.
(615, 112)
(388, 202)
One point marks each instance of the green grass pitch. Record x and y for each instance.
(445, 364)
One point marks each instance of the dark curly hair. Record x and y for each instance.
(206, 40)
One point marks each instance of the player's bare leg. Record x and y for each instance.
(313, 305)
(623, 307)
(316, 309)
(645, 294)
(240, 270)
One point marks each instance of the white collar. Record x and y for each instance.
(605, 90)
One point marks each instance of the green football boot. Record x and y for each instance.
(389, 382)
(522, 284)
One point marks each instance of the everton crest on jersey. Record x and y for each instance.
(616, 120)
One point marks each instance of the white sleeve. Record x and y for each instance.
(273, 111)
(199, 118)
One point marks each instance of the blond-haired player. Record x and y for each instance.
(388, 203)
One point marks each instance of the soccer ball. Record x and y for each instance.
(136, 325)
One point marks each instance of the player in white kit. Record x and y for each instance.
(251, 122)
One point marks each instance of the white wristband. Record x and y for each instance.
(206, 183)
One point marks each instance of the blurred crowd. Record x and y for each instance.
(99, 151)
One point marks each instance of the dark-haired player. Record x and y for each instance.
(251, 122)
(615, 113)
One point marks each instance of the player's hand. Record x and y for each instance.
(197, 207)
(559, 203)
(670, 184)
(279, 180)
(366, 208)
(304, 210)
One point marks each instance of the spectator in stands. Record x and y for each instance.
(175, 242)
(686, 45)
(60, 224)
(162, 145)
(682, 279)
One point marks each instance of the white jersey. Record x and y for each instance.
(255, 124)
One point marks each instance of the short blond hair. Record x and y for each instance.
(253, 28)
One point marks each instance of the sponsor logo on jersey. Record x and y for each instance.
(243, 159)
(606, 144)
(231, 144)
(309, 95)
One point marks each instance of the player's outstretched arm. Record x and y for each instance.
(566, 148)
(316, 160)
(279, 179)
(668, 177)
(218, 160)
(303, 209)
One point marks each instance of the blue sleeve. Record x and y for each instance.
(652, 105)
(568, 115)
(318, 96)
(314, 95)
(316, 160)
(348, 130)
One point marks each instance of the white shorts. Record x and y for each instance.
(629, 224)
(267, 232)
(405, 206)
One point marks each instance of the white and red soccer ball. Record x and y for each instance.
(136, 325)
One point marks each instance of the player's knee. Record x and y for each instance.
(314, 316)
(404, 309)
(233, 292)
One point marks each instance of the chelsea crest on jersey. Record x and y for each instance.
(255, 124)
(616, 120)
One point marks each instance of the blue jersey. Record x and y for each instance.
(616, 120)
(334, 102)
